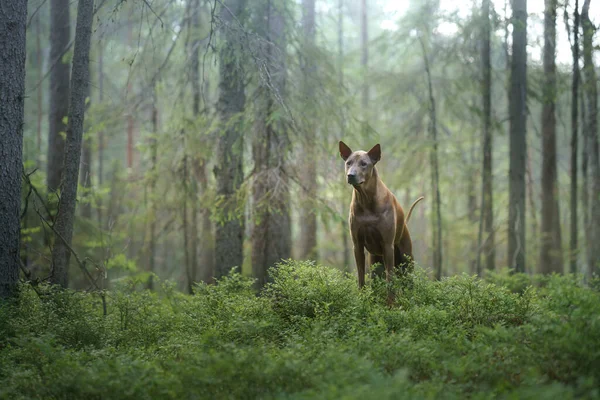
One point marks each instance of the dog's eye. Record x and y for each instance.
(363, 164)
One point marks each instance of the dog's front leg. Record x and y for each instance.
(359, 256)
(388, 260)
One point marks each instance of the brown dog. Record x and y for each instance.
(376, 219)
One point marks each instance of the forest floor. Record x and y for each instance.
(310, 334)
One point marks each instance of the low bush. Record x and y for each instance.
(310, 334)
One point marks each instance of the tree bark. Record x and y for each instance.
(153, 194)
(344, 226)
(436, 217)
(364, 57)
(80, 80)
(60, 36)
(308, 216)
(40, 95)
(518, 142)
(551, 259)
(487, 199)
(13, 19)
(592, 131)
(85, 175)
(574, 142)
(101, 133)
(272, 235)
(229, 235)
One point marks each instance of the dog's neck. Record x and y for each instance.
(364, 195)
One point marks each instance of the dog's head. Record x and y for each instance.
(359, 164)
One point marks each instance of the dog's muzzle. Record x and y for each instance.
(352, 179)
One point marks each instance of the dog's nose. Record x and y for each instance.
(351, 178)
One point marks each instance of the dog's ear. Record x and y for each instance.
(344, 150)
(375, 153)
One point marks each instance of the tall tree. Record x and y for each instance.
(436, 216)
(206, 244)
(229, 234)
(518, 142)
(85, 175)
(308, 228)
(592, 139)
(13, 18)
(344, 228)
(60, 36)
(551, 259)
(487, 200)
(574, 140)
(272, 234)
(79, 88)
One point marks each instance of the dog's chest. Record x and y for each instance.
(371, 228)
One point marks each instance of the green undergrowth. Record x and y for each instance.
(310, 334)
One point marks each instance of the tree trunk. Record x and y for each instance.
(487, 199)
(272, 235)
(592, 131)
(308, 216)
(436, 216)
(85, 175)
(344, 224)
(153, 194)
(551, 259)
(60, 36)
(574, 141)
(364, 57)
(66, 212)
(13, 19)
(40, 104)
(518, 142)
(229, 235)
(101, 133)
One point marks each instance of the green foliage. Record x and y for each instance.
(310, 334)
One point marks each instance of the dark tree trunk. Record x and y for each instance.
(487, 201)
(13, 19)
(436, 216)
(518, 142)
(272, 235)
(85, 175)
(551, 259)
(308, 217)
(40, 95)
(574, 141)
(60, 36)
(229, 235)
(66, 213)
(592, 140)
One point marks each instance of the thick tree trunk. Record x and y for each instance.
(436, 215)
(487, 204)
(551, 259)
(229, 235)
(592, 140)
(66, 213)
(272, 235)
(13, 19)
(308, 216)
(574, 142)
(60, 36)
(518, 142)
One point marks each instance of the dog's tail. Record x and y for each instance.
(413, 206)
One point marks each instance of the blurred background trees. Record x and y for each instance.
(211, 130)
